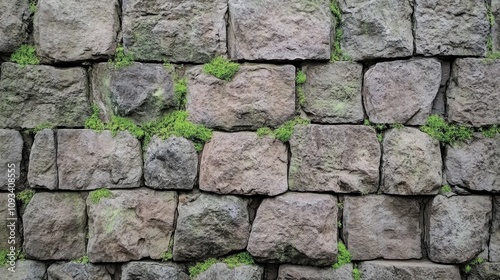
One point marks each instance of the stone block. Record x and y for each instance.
(11, 151)
(220, 271)
(398, 270)
(13, 24)
(42, 171)
(153, 270)
(25, 270)
(290, 272)
(71, 270)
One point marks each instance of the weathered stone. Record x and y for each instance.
(33, 95)
(294, 272)
(210, 226)
(380, 226)
(243, 163)
(7, 231)
(170, 164)
(55, 226)
(451, 27)
(220, 271)
(25, 270)
(153, 271)
(495, 29)
(474, 92)
(42, 171)
(187, 31)
(77, 271)
(485, 271)
(457, 227)
(343, 159)
(408, 270)
(439, 104)
(130, 225)
(411, 163)
(259, 95)
(90, 160)
(373, 30)
(11, 151)
(401, 91)
(141, 91)
(475, 165)
(494, 246)
(333, 92)
(12, 25)
(299, 228)
(76, 30)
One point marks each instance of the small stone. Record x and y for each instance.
(7, 213)
(298, 228)
(71, 270)
(55, 226)
(380, 226)
(494, 245)
(25, 270)
(457, 227)
(401, 91)
(397, 270)
(293, 272)
(210, 226)
(243, 163)
(42, 171)
(152, 270)
(333, 92)
(13, 25)
(343, 159)
(11, 151)
(485, 271)
(220, 271)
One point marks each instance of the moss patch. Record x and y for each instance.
(490, 132)
(25, 196)
(300, 79)
(121, 59)
(180, 92)
(82, 260)
(221, 68)
(468, 267)
(343, 256)
(446, 189)
(356, 274)
(446, 133)
(97, 195)
(25, 55)
(200, 267)
(232, 261)
(283, 132)
(337, 53)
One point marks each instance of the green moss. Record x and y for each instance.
(97, 195)
(284, 132)
(116, 124)
(491, 17)
(82, 260)
(25, 196)
(180, 92)
(339, 224)
(397, 125)
(446, 189)
(340, 205)
(25, 55)
(4, 257)
(474, 262)
(446, 133)
(167, 65)
(94, 121)
(221, 68)
(301, 78)
(343, 256)
(264, 131)
(166, 256)
(336, 12)
(201, 267)
(121, 59)
(337, 53)
(40, 127)
(356, 274)
(32, 6)
(242, 258)
(490, 132)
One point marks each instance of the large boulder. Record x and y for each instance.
(9, 225)
(11, 149)
(153, 271)
(485, 271)
(299, 228)
(35, 95)
(343, 159)
(243, 163)
(13, 24)
(494, 245)
(397, 270)
(258, 95)
(293, 272)
(42, 172)
(77, 271)
(25, 270)
(220, 271)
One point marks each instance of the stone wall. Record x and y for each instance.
(330, 133)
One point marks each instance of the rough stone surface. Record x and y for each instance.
(494, 245)
(495, 29)
(411, 163)
(73, 30)
(401, 91)
(220, 271)
(25, 270)
(475, 165)
(88, 160)
(11, 151)
(451, 27)
(485, 271)
(243, 163)
(294, 272)
(170, 164)
(153, 271)
(409, 270)
(12, 24)
(5, 225)
(178, 31)
(457, 227)
(77, 271)
(37, 94)
(299, 228)
(333, 92)
(210, 226)
(259, 95)
(372, 30)
(342, 159)
(42, 171)
(439, 104)
(55, 226)
(380, 226)
(130, 225)
(474, 92)
(141, 91)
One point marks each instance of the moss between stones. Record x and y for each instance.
(491, 131)
(25, 196)
(32, 6)
(121, 59)
(446, 133)
(40, 127)
(233, 261)
(300, 79)
(446, 189)
(25, 55)
(180, 92)
(337, 53)
(97, 195)
(221, 68)
(82, 260)
(283, 132)
(474, 262)
(356, 274)
(343, 256)
(5, 257)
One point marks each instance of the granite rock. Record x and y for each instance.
(42, 171)
(13, 24)
(399, 270)
(11, 151)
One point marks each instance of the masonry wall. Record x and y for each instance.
(369, 163)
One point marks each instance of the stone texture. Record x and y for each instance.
(178, 31)
(457, 227)
(220, 271)
(485, 271)
(342, 159)
(411, 163)
(170, 164)
(130, 225)
(25, 270)
(373, 30)
(210, 226)
(77, 271)
(55, 226)
(13, 25)
(294, 272)
(333, 92)
(408, 270)
(299, 228)
(11, 151)
(439, 104)
(88, 160)
(380, 226)
(495, 29)
(33, 95)
(259, 95)
(475, 165)
(455, 28)
(42, 171)
(243, 163)
(73, 30)
(5, 225)
(494, 245)
(401, 91)
(294, 30)
(141, 91)
(474, 92)
(153, 271)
